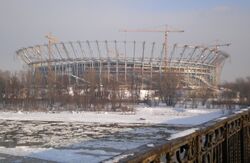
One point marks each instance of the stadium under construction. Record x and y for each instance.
(200, 66)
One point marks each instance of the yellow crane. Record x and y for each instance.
(50, 77)
(51, 40)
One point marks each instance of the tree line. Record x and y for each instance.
(31, 90)
(28, 90)
(237, 91)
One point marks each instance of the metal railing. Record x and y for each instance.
(226, 140)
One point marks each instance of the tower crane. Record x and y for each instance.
(51, 40)
(165, 31)
(216, 46)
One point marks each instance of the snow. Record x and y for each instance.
(117, 158)
(240, 111)
(142, 114)
(222, 118)
(150, 145)
(196, 118)
(183, 133)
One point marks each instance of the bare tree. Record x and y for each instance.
(169, 84)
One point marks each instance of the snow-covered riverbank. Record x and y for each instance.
(142, 114)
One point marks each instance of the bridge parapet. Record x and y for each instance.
(226, 139)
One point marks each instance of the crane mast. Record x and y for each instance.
(165, 31)
(50, 78)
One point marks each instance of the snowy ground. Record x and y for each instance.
(157, 115)
(90, 136)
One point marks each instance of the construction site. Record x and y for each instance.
(147, 69)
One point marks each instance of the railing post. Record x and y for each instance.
(242, 135)
(225, 144)
(199, 153)
(245, 137)
(169, 157)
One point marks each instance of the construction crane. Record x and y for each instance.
(216, 46)
(164, 31)
(51, 40)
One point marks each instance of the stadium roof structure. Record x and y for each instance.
(201, 65)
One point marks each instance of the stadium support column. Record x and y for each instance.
(108, 70)
(151, 65)
(100, 62)
(69, 75)
(117, 61)
(82, 68)
(33, 78)
(142, 63)
(125, 62)
(55, 70)
(160, 69)
(100, 72)
(107, 53)
(151, 74)
(77, 72)
(92, 65)
(62, 70)
(134, 60)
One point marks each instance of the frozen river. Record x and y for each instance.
(91, 136)
(81, 141)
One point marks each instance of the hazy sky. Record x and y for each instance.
(24, 23)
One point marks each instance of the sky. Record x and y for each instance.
(24, 23)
